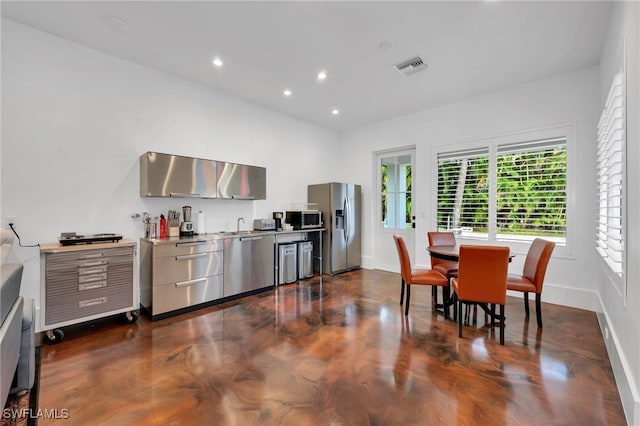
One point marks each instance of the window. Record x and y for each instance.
(395, 187)
(506, 189)
(463, 191)
(611, 143)
(531, 193)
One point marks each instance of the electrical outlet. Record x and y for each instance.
(606, 333)
(12, 219)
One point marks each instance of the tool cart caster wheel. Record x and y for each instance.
(130, 317)
(54, 336)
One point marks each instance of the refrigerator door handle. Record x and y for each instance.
(347, 220)
(345, 216)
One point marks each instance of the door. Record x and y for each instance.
(394, 206)
(339, 227)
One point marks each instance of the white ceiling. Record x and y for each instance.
(471, 48)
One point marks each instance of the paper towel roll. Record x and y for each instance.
(200, 229)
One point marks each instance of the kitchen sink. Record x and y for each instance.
(237, 233)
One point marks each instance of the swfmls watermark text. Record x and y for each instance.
(40, 413)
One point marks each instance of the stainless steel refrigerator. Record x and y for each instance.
(341, 209)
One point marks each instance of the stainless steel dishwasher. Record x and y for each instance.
(248, 263)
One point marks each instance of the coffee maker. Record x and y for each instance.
(278, 218)
(186, 227)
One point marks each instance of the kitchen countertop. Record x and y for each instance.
(57, 247)
(224, 235)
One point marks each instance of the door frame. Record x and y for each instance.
(382, 235)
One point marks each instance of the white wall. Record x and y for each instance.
(623, 321)
(571, 98)
(75, 121)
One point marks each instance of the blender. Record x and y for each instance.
(186, 227)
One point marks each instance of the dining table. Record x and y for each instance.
(451, 253)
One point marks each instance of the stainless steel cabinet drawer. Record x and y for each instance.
(186, 267)
(177, 295)
(184, 248)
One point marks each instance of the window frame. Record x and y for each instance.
(410, 193)
(492, 142)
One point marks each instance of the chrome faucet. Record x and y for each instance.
(238, 227)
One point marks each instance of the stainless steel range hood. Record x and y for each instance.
(167, 175)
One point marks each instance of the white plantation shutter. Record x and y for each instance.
(463, 191)
(611, 176)
(532, 189)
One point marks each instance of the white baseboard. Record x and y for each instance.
(566, 296)
(621, 370)
(366, 262)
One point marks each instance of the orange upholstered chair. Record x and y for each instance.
(411, 276)
(445, 267)
(482, 278)
(532, 278)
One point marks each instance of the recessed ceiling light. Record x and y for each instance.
(118, 24)
(217, 62)
(385, 45)
(287, 92)
(322, 75)
(335, 111)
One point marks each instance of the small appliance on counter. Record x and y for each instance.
(278, 216)
(264, 224)
(304, 219)
(173, 222)
(186, 227)
(71, 238)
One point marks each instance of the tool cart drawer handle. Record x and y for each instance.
(92, 286)
(91, 256)
(94, 263)
(92, 302)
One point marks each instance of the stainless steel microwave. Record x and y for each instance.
(304, 219)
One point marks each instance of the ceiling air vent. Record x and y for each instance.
(410, 66)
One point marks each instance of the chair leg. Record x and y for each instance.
(402, 292)
(446, 295)
(493, 314)
(434, 295)
(502, 324)
(455, 306)
(459, 318)
(538, 310)
(464, 307)
(526, 303)
(406, 307)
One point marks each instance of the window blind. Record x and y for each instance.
(463, 191)
(611, 146)
(531, 189)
